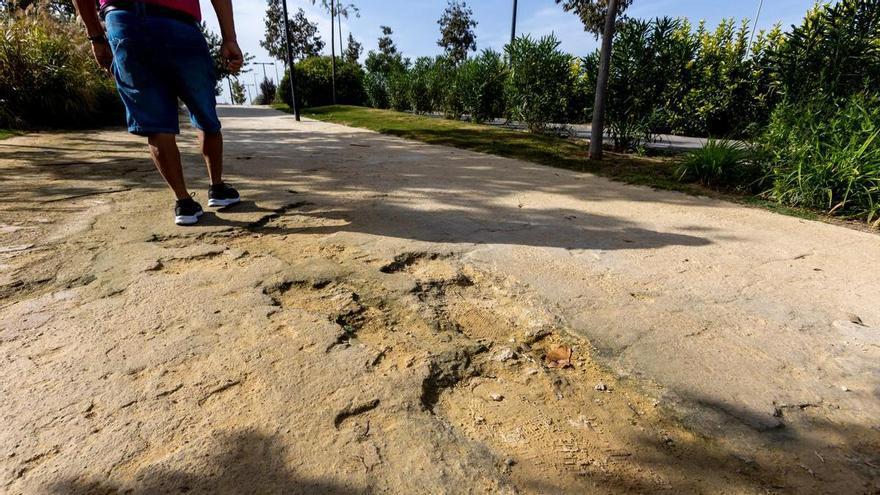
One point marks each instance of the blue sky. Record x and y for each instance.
(415, 21)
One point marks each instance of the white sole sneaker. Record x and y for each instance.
(187, 219)
(222, 203)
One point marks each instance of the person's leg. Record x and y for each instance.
(211, 144)
(166, 156)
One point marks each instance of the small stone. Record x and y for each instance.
(844, 388)
(496, 397)
(532, 371)
(480, 420)
(601, 387)
(655, 402)
(504, 355)
(509, 462)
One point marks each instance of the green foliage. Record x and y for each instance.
(480, 86)
(398, 84)
(376, 88)
(592, 13)
(267, 94)
(721, 163)
(353, 51)
(387, 59)
(314, 83)
(539, 81)
(305, 41)
(826, 155)
(667, 77)
(834, 53)
(420, 81)
(457, 36)
(48, 78)
(239, 95)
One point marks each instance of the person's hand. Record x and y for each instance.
(103, 54)
(231, 53)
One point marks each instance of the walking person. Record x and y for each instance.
(157, 54)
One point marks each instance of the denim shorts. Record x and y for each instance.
(157, 60)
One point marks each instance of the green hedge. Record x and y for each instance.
(314, 83)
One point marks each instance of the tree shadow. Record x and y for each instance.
(364, 182)
(803, 455)
(250, 463)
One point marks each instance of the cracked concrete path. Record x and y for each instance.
(374, 319)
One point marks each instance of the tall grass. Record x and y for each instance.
(48, 76)
(826, 155)
(721, 163)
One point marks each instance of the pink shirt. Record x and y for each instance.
(190, 7)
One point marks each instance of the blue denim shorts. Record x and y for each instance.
(157, 60)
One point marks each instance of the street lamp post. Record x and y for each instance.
(247, 89)
(290, 63)
(333, 47)
(264, 64)
(513, 25)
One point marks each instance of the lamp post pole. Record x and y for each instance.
(290, 63)
(264, 64)
(247, 88)
(755, 26)
(513, 25)
(333, 47)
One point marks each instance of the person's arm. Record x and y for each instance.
(230, 50)
(88, 12)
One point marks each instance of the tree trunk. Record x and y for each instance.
(598, 130)
(333, 45)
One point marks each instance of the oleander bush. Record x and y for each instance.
(539, 81)
(480, 86)
(314, 83)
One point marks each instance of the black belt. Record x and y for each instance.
(149, 9)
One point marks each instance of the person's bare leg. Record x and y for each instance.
(211, 144)
(166, 156)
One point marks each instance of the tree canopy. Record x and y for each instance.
(353, 51)
(593, 12)
(304, 38)
(388, 59)
(457, 35)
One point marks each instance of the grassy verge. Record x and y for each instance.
(546, 150)
(8, 133)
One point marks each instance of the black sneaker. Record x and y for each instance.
(221, 196)
(187, 212)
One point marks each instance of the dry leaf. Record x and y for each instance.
(559, 357)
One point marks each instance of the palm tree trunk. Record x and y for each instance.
(597, 133)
